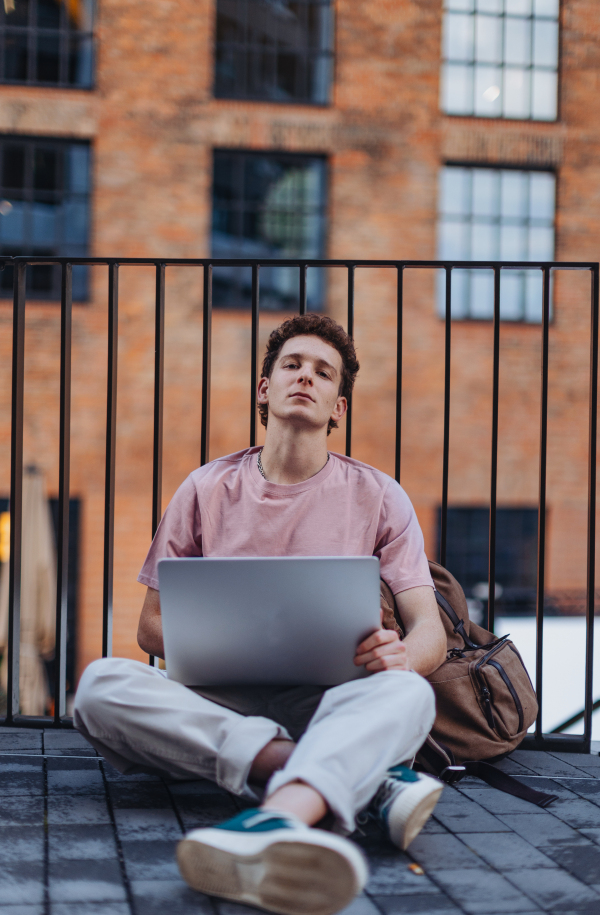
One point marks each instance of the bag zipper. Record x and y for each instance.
(485, 693)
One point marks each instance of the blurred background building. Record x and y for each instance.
(307, 128)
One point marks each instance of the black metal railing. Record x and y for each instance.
(573, 743)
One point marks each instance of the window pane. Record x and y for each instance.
(12, 225)
(16, 56)
(545, 7)
(482, 294)
(541, 196)
(453, 240)
(514, 199)
(80, 63)
(455, 191)
(458, 37)
(516, 93)
(489, 6)
(511, 295)
(545, 43)
(76, 221)
(518, 7)
(486, 192)
(19, 15)
(541, 243)
(460, 5)
(457, 89)
(517, 41)
(461, 284)
(488, 39)
(77, 169)
(48, 14)
(544, 95)
(43, 221)
(45, 169)
(534, 305)
(13, 166)
(48, 59)
(488, 95)
(513, 243)
(484, 241)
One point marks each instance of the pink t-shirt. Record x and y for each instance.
(226, 508)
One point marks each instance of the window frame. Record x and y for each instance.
(502, 65)
(32, 31)
(31, 140)
(330, 53)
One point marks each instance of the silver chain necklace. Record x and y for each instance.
(260, 466)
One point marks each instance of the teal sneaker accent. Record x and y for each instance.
(403, 774)
(256, 820)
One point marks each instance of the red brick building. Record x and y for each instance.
(348, 114)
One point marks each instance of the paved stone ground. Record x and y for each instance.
(78, 838)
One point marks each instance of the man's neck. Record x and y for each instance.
(292, 456)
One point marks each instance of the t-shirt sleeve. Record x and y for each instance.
(178, 534)
(400, 545)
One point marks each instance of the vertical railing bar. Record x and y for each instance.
(16, 494)
(206, 363)
(350, 331)
(446, 443)
(302, 290)
(109, 476)
(159, 371)
(591, 529)
(494, 455)
(399, 343)
(254, 353)
(541, 557)
(64, 477)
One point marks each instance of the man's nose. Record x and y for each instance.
(306, 375)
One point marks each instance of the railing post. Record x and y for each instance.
(591, 520)
(302, 290)
(111, 440)
(16, 494)
(446, 443)
(159, 371)
(494, 456)
(399, 345)
(254, 352)
(62, 578)
(206, 358)
(350, 331)
(541, 558)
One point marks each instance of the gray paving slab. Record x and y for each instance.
(21, 776)
(84, 842)
(207, 811)
(86, 881)
(465, 815)
(150, 860)
(581, 861)
(63, 809)
(391, 876)
(593, 834)
(71, 776)
(362, 905)
(147, 825)
(21, 843)
(27, 740)
(542, 829)
(155, 897)
(64, 739)
(21, 811)
(22, 909)
(582, 761)
(88, 908)
(486, 894)
(545, 763)
(555, 890)
(506, 850)
(416, 904)
(441, 851)
(22, 883)
(495, 801)
(586, 788)
(150, 795)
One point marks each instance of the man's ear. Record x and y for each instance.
(262, 393)
(341, 405)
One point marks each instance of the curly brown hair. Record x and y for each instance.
(315, 326)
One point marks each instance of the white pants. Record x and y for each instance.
(134, 716)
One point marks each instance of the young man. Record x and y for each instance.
(305, 754)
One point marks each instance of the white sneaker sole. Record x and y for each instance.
(289, 874)
(412, 810)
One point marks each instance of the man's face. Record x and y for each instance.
(304, 384)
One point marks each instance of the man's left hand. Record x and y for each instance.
(382, 650)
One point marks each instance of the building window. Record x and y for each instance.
(500, 58)
(268, 205)
(44, 210)
(274, 50)
(495, 214)
(47, 42)
(467, 556)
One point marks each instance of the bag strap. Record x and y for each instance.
(459, 626)
(498, 779)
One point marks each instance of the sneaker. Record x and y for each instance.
(404, 803)
(274, 861)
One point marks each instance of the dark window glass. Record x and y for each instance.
(275, 50)
(44, 210)
(47, 42)
(467, 552)
(267, 205)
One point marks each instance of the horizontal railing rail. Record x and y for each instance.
(573, 743)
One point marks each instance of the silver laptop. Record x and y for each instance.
(270, 620)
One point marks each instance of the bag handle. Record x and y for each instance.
(498, 779)
(459, 626)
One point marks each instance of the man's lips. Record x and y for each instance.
(305, 396)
